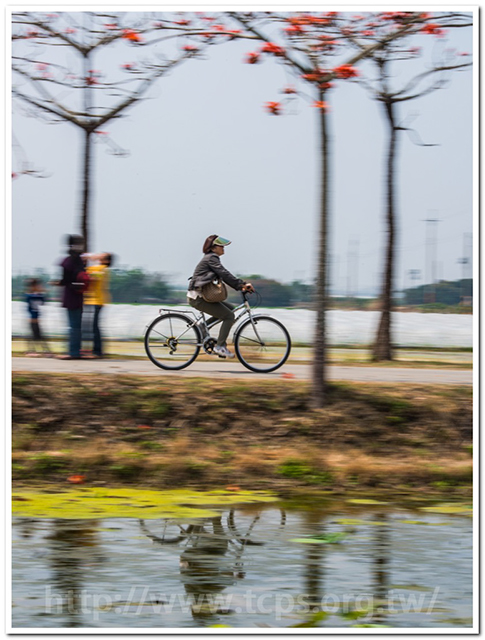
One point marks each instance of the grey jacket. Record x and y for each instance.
(210, 268)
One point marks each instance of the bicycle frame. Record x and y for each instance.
(244, 307)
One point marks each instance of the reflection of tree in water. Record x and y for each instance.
(212, 559)
(380, 571)
(73, 547)
(314, 561)
(26, 527)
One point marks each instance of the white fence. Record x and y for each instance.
(126, 321)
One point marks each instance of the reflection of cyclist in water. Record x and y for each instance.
(207, 569)
(210, 562)
(212, 558)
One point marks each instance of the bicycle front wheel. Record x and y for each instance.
(172, 341)
(262, 344)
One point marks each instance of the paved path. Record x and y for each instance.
(220, 369)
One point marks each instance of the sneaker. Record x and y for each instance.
(223, 351)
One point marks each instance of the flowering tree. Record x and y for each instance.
(69, 88)
(315, 49)
(368, 29)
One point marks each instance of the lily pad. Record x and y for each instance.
(422, 522)
(94, 503)
(461, 509)
(410, 587)
(365, 501)
(356, 521)
(313, 620)
(325, 538)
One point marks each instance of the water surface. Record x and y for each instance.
(251, 567)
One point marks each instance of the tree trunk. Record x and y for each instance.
(382, 349)
(86, 190)
(320, 345)
(87, 169)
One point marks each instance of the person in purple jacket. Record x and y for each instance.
(74, 280)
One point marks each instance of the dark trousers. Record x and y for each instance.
(75, 319)
(220, 310)
(97, 345)
(36, 334)
(91, 332)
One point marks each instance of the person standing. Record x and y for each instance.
(75, 281)
(35, 297)
(97, 296)
(208, 270)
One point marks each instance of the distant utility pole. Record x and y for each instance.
(466, 261)
(430, 258)
(353, 267)
(413, 275)
(334, 274)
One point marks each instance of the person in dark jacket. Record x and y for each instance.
(209, 269)
(74, 280)
(35, 297)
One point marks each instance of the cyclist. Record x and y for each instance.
(209, 269)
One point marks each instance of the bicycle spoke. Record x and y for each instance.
(160, 334)
(263, 347)
(172, 341)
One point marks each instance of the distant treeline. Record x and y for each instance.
(136, 286)
(443, 292)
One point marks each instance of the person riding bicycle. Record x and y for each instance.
(208, 270)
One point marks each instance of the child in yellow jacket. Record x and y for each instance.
(97, 296)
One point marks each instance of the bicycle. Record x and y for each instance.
(174, 339)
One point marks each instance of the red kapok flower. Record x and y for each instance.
(131, 35)
(271, 47)
(190, 47)
(319, 104)
(311, 77)
(294, 30)
(77, 479)
(144, 426)
(346, 71)
(127, 65)
(289, 90)
(432, 29)
(273, 107)
(252, 57)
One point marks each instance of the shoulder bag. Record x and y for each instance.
(215, 291)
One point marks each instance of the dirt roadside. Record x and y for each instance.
(140, 431)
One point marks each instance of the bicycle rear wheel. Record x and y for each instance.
(172, 341)
(262, 344)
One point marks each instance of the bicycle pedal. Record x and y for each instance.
(223, 357)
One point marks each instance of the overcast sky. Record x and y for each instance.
(206, 158)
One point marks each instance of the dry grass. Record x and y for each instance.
(203, 433)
